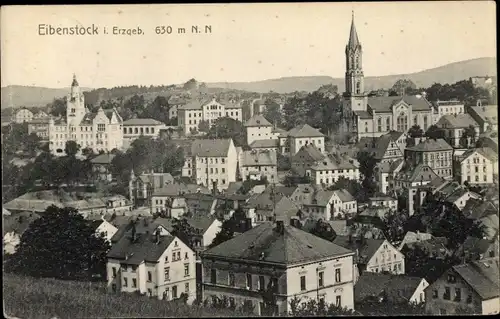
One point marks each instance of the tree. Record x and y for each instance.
(31, 144)
(312, 307)
(324, 230)
(190, 85)
(402, 86)
(272, 113)
(71, 148)
(204, 126)
(58, 107)
(226, 233)
(468, 136)
(135, 104)
(420, 263)
(352, 186)
(74, 251)
(88, 152)
(415, 131)
(367, 163)
(226, 127)
(158, 109)
(434, 132)
(184, 231)
(394, 222)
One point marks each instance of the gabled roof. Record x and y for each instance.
(308, 152)
(318, 198)
(333, 162)
(431, 145)
(483, 276)
(271, 143)
(385, 103)
(144, 249)
(192, 105)
(304, 130)
(157, 180)
(211, 148)
(264, 204)
(476, 245)
(417, 173)
(142, 122)
(293, 246)
(456, 121)
(366, 249)
(398, 288)
(344, 195)
(18, 223)
(103, 159)
(257, 120)
(477, 208)
(177, 189)
(488, 113)
(258, 158)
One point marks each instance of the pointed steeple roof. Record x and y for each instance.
(353, 36)
(75, 82)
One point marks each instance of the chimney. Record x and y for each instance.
(134, 233)
(280, 227)
(157, 236)
(349, 238)
(214, 188)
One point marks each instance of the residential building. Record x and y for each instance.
(268, 206)
(261, 145)
(99, 131)
(135, 128)
(306, 157)
(385, 173)
(443, 108)
(437, 154)
(411, 237)
(39, 126)
(101, 165)
(13, 228)
(143, 186)
(239, 272)
(258, 128)
(329, 170)
(374, 255)
(23, 115)
(435, 247)
(457, 195)
(384, 201)
(104, 228)
(485, 116)
(387, 148)
(478, 248)
(317, 204)
(40, 114)
(196, 111)
(473, 286)
(477, 166)
(212, 162)
(160, 266)
(453, 127)
(376, 116)
(256, 165)
(303, 135)
(344, 204)
(390, 288)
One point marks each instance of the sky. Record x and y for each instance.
(248, 42)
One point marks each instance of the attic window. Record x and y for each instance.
(175, 243)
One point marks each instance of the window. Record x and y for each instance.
(186, 270)
(262, 283)
(338, 301)
(469, 297)
(231, 279)
(446, 295)
(451, 278)
(150, 276)
(337, 275)
(379, 124)
(435, 294)
(174, 292)
(167, 273)
(458, 294)
(421, 297)
(113, 287)
(114, 272)
(134, 283)
(302, 283)
(213, 276)
(249, 281)
(186, 287)
(101, 127)
(125, 282)
(232, 303)
(320, 279)
(134, 268)
(150, 292)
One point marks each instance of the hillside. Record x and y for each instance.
(450, 73)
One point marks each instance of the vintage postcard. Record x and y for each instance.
(227, 160)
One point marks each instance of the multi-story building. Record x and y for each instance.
(453, 127)
(23, 115)
(258, 164)
(303, 135)
(330, 169)
(142, 187)
(101, 167)
(134, 128)
(100, 131)
(375, 116)
(258, 128)
(212, 162)
(193, 113)
(486, 116)
(344, 204)
(383, 201)
(270, 205)
(40, 126)
(387, 148)
(472, 287)
(158, 265)
(452, 107)
(437, 154)
(477, 166)
(263, 259)
(384, 174)
(261, 145)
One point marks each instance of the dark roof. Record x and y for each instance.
(398, 288)
(258, 158)
(257, 120)
(142, 122)
(210, 148)
(270, 143)
(310, 151)
(293, 246)
(456, 121)
(483, 276)
(366, 248)
(18, 223)
(144, 249)
(103, 159)
(386, 103)
(304, 130)
(344, 195)
(475, 245)
(353, 36)
(431, 145)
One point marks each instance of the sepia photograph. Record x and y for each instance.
(250, 160)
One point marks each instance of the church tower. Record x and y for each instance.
(75, 107)
(355, 97)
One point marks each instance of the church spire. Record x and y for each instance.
(353, 36)
(75, 82)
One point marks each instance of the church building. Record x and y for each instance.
(375, 116)
(101, 130)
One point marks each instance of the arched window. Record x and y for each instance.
(357, 62)
(358, 87)
(379, 124)
(388, 123)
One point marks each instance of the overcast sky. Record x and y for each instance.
(248, 41)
